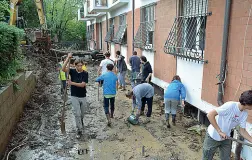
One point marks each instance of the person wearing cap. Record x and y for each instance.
(142, 94)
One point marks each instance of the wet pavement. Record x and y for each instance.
(39, 128)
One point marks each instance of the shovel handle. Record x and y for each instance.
(239, 141)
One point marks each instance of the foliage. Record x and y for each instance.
(4, 7)
(28, 10)
(10, 52)
(61, 17)
(75, 30)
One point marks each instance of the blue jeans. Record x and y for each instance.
(106, 105)
(121, 78)
(133, 79)
(149, 104)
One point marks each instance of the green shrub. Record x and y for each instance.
(10, 51)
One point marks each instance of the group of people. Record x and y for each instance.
(223, 119)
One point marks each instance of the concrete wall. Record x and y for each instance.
(12, 104)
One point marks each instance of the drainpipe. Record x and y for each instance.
(222, 74)
(107, 29)
(133, 24)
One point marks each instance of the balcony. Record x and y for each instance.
(81, 15)
(106, 5)
(85, 13)
(117, 4)
(99, 5)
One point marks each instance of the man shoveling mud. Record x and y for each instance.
(142, 94)
(79, 79)
(223, 119)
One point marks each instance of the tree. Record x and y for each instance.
(59, 14)
(75, 30)
(28, 10)
(4, 8)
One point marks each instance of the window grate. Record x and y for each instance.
(110, 34)
(88, 34)
(144, 38)
(92, 31)
(120, 36)
(187, 36)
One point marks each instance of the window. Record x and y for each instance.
(144, 38)
(88, 35)
(100, 36)
(121, 35)
(110, 34)
(92, 31)
(187, 36)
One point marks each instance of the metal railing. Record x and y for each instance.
(143, 36)
(187, 36)
(118, 38)
(110, 34)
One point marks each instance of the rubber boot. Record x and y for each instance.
(111, 114)
(79, 134)
(109, 120)
(174, 119)
(168, 124)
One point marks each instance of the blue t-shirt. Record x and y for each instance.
(135, 63)
(109, 83)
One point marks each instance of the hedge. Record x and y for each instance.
(10, 51)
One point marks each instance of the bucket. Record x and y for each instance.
(132, 119)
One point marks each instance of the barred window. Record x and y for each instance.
(121, 35)
(88, 33)
(187, 36)
(92, 31)
(144, 38)
(110, 34)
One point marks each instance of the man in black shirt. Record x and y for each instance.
(79, 79)
(146, 70)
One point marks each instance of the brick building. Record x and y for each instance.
(208, 43)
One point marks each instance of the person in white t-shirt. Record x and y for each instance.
(103, 65)
(223, 119)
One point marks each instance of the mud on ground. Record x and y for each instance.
(39, 127)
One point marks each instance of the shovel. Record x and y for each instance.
(62, 120)
(182, 112)
(239, 141)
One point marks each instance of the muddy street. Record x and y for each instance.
(39, 137)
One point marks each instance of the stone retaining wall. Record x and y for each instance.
(12, 104)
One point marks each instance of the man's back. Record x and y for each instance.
(135, 63)
(109, 84)
(143, 90)
(104, 64)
